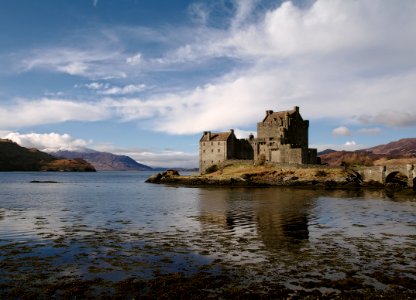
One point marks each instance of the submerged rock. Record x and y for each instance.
(43, 181)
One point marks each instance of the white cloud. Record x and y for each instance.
(244, 134)
(73, 68)
(199, 12)
(93, 62)
(341, 131)
(106, 89)
(128, 89)
(47, 111)
(96, 86)
(48, 142)
(3, 133)
(336, 59)
(135, 59)
(390, 118)
(369, 131)
(295, 58)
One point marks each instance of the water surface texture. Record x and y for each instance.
(110, 234)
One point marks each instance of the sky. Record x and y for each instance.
(145, 78)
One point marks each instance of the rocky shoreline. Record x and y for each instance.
(268, 176)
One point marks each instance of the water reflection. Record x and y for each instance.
(278, 217)
(113, 226)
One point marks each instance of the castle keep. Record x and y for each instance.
(282, 137)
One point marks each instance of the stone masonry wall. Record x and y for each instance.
(212, 152)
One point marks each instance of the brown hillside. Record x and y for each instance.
(402, 148)
(16, 158)
(398, 152)
(339, 158)
(69, 165)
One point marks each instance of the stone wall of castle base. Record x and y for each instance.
(286, 154)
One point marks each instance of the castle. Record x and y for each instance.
(282, 137)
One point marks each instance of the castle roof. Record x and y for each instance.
(216, 136)
(280, 114)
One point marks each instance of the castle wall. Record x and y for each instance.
(289, 155)
(210, 153)
(245, 150)
(286, 154)
(312, 155)
(271, 130)
(297, 133)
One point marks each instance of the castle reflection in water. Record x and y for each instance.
(277, 217)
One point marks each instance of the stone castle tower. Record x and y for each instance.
(282, 137)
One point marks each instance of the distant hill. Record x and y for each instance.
(403, 147)
(326, 151)
(401, 151)
(104, 161)
(16, 158)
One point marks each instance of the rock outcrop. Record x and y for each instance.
(167, 176)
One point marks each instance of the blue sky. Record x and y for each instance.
(145, 78)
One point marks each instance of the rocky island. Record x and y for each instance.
(244, 174)
(247, 174)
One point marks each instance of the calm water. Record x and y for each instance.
(104, 228)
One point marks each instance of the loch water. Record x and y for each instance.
(109, 233)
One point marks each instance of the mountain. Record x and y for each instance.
(403, 147)
(16, 158)
(104, 161)
(326, 151)
(401, 151)
(359, 157)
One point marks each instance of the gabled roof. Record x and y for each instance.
(216, 137)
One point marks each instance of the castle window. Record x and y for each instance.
(204, 151)
(219, 143)
(219, 150)
(212, 143)
(212, 150)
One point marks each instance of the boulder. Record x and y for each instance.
(166, 176)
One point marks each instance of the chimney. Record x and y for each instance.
(208, 133)
(296, 108)
(232, 131)
(269, 112)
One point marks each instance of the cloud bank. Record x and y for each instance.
(48, 142)
(46, 111)
(344, 60)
